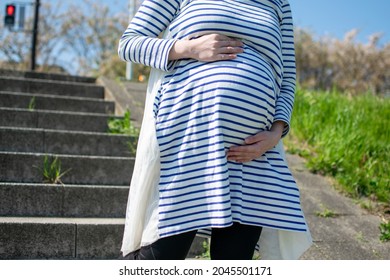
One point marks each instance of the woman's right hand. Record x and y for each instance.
(206, 48)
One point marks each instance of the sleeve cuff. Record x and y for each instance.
(286, 128)
(168, 65)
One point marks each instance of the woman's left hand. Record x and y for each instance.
(255, 146)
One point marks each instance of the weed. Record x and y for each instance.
(206, 253)
(360, 237)
(367, 205)
(125, 126)
(122, 125)
(327, 213)
(51, 170)
(256, 255)
(385, 231)
(132, 145)
(31, 104)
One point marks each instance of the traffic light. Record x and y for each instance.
(10, 11)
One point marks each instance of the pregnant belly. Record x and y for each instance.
(235, 98)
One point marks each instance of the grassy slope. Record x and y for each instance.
(346, 137)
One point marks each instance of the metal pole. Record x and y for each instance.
(35, 35)
(129, 65)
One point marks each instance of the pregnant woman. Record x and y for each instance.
(210, 160)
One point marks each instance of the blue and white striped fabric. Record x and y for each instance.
(203, 108)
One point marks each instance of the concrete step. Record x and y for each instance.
(46, 76)
(60, 238)
(53, 102)
(83, 170)
(46, 200)
(66, 239)
(60, 88)
(29, 140)
(75, 121)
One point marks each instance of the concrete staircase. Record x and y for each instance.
(65, 118)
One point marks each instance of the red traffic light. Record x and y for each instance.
(11, 10)
(10, 14)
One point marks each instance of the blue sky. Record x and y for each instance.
(336, 17)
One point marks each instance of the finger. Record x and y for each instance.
(223, 56)
(230, 50)
(244, 157)
(241, 159)
(229, 43)
(253, 153)
(238, 158)
(243, 149)
(255, 138)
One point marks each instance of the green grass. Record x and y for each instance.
(31, 104)
(327, 213)
(122, 125)
(385, 231)
(125, 126)
(51, 170)
(206, 253)
(345, 137)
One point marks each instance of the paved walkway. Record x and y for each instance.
(353, 234)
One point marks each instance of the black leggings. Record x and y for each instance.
(236, 242)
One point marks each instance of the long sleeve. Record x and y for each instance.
(285, 101)
(139, 43)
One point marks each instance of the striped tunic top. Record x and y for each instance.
(203, 108)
